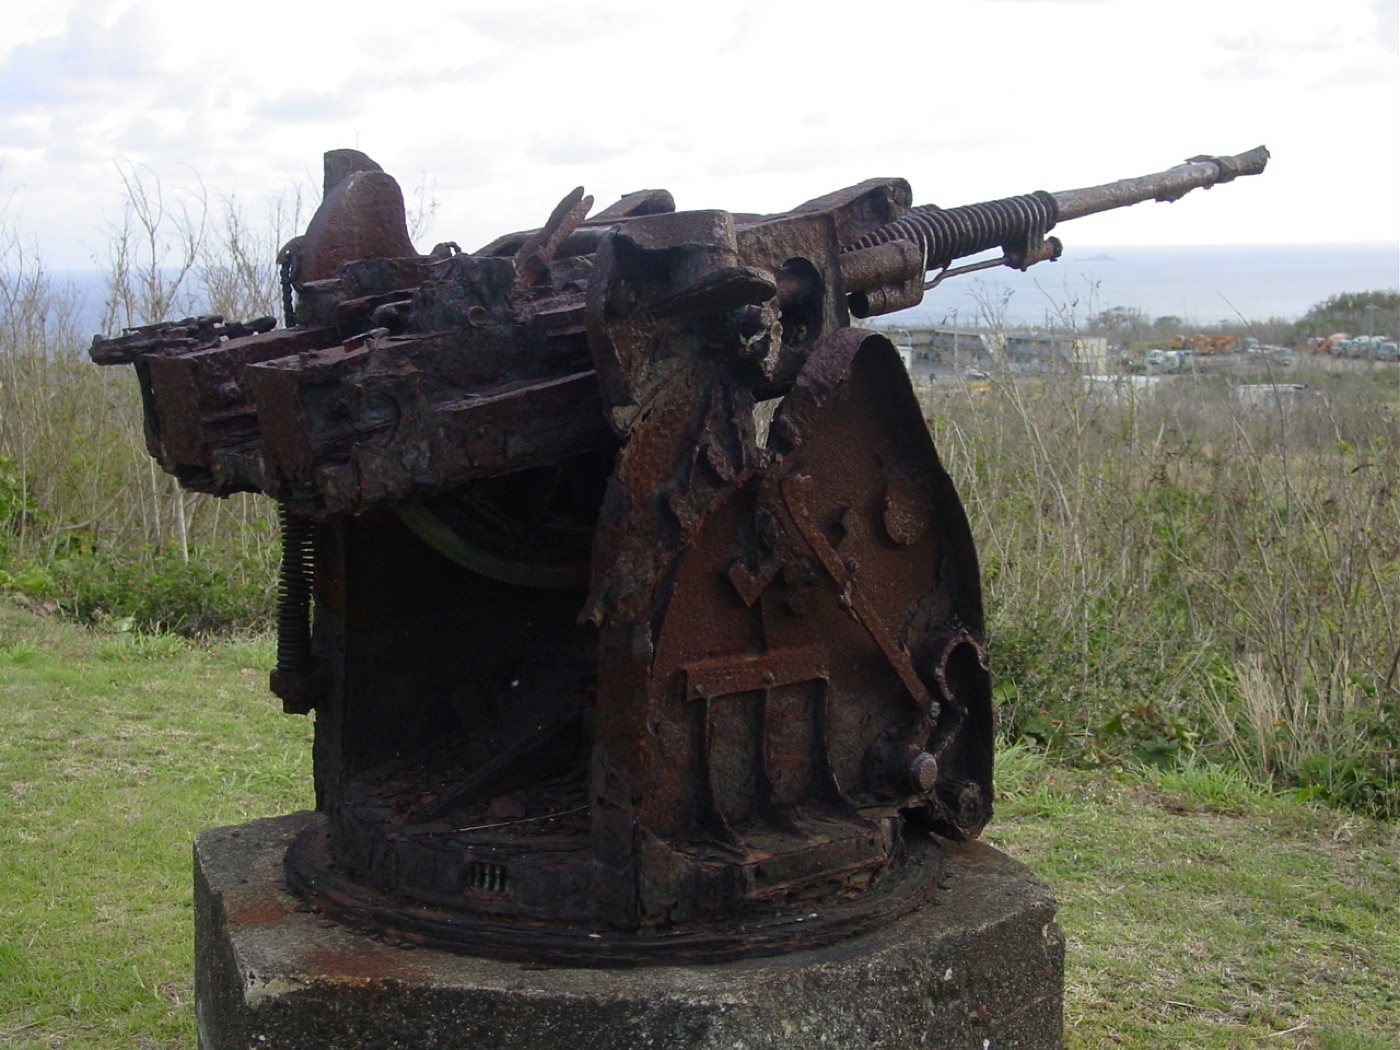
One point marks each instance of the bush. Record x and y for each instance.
(87, 523)
(1181, 576)
(1365, 776)
(16, 504)
(155, 592)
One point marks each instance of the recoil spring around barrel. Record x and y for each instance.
(954, 233)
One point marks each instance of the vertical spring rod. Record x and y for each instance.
(294, 594)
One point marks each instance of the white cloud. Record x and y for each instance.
(1248, 65)
(302, 105)
(1387, 14)
(84, 60)
(533, 26)
(1369, 74)
(751, 106)
(779, 157)
(577, 147)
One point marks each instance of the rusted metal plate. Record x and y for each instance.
(202, 397)
(774, 669)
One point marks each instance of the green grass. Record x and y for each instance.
(114, 751)
(1201, 911)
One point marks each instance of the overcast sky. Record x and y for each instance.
(505, 105)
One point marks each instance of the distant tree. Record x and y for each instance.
(1276, 331)
(1161, 331)
(1122, 325)
(1356, 313)
(237, 276)
(152, 252)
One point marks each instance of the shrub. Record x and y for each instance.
(1181, 576)
(158, 592)
(17, 507)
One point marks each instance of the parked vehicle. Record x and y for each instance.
(1200, 343)
(1166, 360)
(1367, 348)
(1325, 344)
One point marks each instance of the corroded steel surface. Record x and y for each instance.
(647, 624)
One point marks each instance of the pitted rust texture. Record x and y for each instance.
(647, 624)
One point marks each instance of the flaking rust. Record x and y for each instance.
(605, 670)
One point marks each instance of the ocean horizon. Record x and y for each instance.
(1199, 284)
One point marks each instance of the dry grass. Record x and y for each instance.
(1178, 574)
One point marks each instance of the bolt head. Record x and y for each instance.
(923, 771)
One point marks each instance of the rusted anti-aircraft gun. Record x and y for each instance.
(647, 625)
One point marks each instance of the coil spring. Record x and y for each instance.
(289, 318)
(491, 878)
(955, 233)
(294, 594)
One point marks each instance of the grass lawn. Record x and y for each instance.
(1199, 911)
(114, 751)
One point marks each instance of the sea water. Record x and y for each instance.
(1199, 284)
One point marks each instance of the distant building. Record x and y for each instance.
(961, 346)
(1056, 352)
(1019, 351)
(948, 345)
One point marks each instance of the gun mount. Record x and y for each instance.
(647, 624)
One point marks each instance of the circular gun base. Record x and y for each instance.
(313, 874)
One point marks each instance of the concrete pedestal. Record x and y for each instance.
(982, 969)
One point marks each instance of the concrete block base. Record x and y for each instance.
(982, 969)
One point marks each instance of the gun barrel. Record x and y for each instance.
(1172, 184)
(880, 280)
